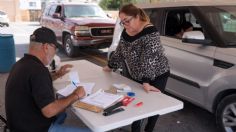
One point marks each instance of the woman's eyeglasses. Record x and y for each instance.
(126, 21)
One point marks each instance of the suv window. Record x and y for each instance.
(223, 19)
(176, 19)
(191, 18)
(58, 9)
(153, 15)
(46, 11)
(52, 10)
(84, 11)
(228, 22)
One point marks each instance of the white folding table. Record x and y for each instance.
(154, 103)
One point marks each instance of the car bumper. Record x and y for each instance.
(4, 20)
(95, 42)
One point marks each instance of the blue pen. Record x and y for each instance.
(74, 84)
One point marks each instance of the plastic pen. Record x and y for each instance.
(74, 84)
(77, 86)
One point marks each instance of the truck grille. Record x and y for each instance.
(102, 32)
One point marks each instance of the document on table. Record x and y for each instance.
(88, 87)
(102, 99)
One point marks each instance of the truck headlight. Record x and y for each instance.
(82, 31)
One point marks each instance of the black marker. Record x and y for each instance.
(113, 107)
(113, 112)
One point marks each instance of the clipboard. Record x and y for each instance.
(88, 107)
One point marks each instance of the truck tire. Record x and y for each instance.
(69, 48)
(226, 114)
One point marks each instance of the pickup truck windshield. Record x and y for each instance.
(223, 18)
(84, 11)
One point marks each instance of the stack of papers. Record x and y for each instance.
(102, 99)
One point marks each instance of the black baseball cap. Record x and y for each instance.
(44, 35)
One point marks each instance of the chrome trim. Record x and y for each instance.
(90, 28)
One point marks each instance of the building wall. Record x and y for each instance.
(8, 6)
(15, 14)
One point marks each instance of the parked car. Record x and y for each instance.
(203, 62)
(78, 25)
(4, 20)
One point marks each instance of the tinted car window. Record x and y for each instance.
(58, 9)
(228, 22)
(223, 18)
(191, 18)
(154, 15)
(176, 19)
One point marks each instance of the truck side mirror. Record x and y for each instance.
(195, 37)
(56, 15)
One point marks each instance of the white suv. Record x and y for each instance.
(4, 20)
(203, 62)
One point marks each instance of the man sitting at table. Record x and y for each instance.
(30, 101)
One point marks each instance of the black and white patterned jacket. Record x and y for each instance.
(143, 54)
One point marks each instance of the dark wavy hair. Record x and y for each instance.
(132, 10)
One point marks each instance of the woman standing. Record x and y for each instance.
(143, 55)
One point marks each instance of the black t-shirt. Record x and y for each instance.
(28, 89)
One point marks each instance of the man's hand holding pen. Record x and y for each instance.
(79, 92)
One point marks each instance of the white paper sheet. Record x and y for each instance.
(67, 90)
(88, 87)
(102, 99)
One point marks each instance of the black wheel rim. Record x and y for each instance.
(68, 46)
(229, 118)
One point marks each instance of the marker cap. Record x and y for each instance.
(131, 94)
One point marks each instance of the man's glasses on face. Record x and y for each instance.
(52, 45)
(126, 21)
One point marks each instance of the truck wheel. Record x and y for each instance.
(226, 114)
(68, 46)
